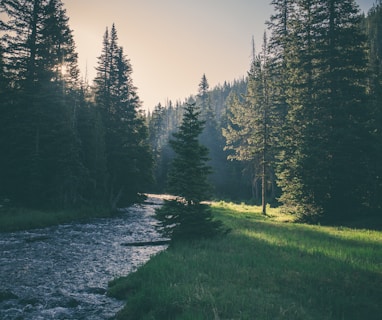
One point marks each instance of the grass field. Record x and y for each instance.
(264, 268)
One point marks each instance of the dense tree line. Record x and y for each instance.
(373, 26)
(227, 178)
(64, 143)
(304, 128)
(320, 60)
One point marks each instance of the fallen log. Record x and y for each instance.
(145, 243)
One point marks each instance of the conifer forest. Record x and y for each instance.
(301, 130)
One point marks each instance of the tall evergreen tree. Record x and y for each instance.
(325, 139)
(157, 127)
(188, 177)
(211, 136)
(3, 80)
(205, 101)
(186, 217)
(251, 128)
(91, 133)
(226, 178)
(4, 93)
(41, 61)
(159, 133)
(280, 24)
(127, 151)
(373, 28)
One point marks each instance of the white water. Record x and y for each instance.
(62, 272)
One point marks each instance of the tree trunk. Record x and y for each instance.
(263, 179)
(114, 199)
(263, 191)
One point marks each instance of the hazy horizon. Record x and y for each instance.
(172, 43)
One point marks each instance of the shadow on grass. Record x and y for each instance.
(319, 285)
(331, 237)
(262, 270)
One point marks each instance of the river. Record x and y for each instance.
(62, 272)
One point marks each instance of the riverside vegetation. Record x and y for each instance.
(15, 219)
(264, 268)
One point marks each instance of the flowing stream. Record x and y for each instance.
(62, 272)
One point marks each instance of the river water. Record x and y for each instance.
(62, 272)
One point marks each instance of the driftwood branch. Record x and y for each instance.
(146, 243)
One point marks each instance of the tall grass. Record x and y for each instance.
(264, 269)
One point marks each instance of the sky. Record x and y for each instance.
(172, 43)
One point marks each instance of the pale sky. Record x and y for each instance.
(172, 43)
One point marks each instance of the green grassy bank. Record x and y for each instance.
(264, 269)
(14, 219)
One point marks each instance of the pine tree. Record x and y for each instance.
(128, 156)
(251, 128)
(205, 102)
(91, 133)
(158, 137)
(280, 43)
(325, 139)
(60, 75)
(3, 79)
(300, 119)
(186, 217)
(41, 61)
(157, 128)
(188, 178)
(211, 136)
(4, 119)
(373, 29)
(227, 179)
